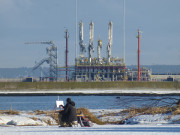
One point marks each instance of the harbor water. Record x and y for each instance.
(31, 103)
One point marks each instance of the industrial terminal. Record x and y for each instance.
(90, 68)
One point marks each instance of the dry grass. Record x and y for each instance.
(47, 121)
(9, 112)
(132, 112)
(177, 110)
(31, 125)
(34, 118)
(85, 112)
(158, 110)
(128, 113)
(39, 112)
(89, 115)
(48, 113)
(148, 110)
(55, 117)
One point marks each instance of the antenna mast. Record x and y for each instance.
(124, 27)
(76, 33)
(139, 37)
(66, 36)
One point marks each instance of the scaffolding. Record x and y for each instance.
(51, 59)
(97, 68)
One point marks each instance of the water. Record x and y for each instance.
(25, 103)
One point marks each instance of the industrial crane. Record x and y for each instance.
(51, 59)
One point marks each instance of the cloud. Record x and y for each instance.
(7, 6)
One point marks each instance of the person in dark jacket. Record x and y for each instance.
(68, 116)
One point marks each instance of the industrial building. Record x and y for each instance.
(98, 68)
(90, 68)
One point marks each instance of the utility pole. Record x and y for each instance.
(75, 32)
(139, 37)
(66, 52)
(124, 30)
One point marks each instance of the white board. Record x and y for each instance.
(58, 103)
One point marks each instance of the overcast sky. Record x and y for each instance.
(43, 20)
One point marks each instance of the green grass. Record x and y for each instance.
(86, 85)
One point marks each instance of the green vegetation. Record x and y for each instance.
(87, 85)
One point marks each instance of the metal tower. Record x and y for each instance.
(139, 37)
(99, 50)
(81, 42)
(91, 37)
(51, 60)
(66, 52)
(110, 42)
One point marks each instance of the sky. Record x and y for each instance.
(45, 20)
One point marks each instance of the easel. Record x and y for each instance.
(58, 105)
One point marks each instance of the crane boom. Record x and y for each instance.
(43, 42)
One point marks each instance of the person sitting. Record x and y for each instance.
(68, 116)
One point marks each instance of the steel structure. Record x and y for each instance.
(51, 59)
(66, 52)
(97, 68)
(110, 42)
(139, 37)
(99, 47)
(91, 38)
(81, 41)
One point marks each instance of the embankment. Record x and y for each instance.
(11, 86)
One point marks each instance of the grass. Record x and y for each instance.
(9, 112)
(34, 118)
(40, 112)
(85, 112)
(127, 113)
(177, 110)
(89, 115)
(47, 121)
(86, 85)
(132, 112)
(55, 117)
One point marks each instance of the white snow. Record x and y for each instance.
(26, 119)
(140, 125)
(95, 130)
(96, 91)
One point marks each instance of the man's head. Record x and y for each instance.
(68, 100)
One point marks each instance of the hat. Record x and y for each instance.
(68, 100)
